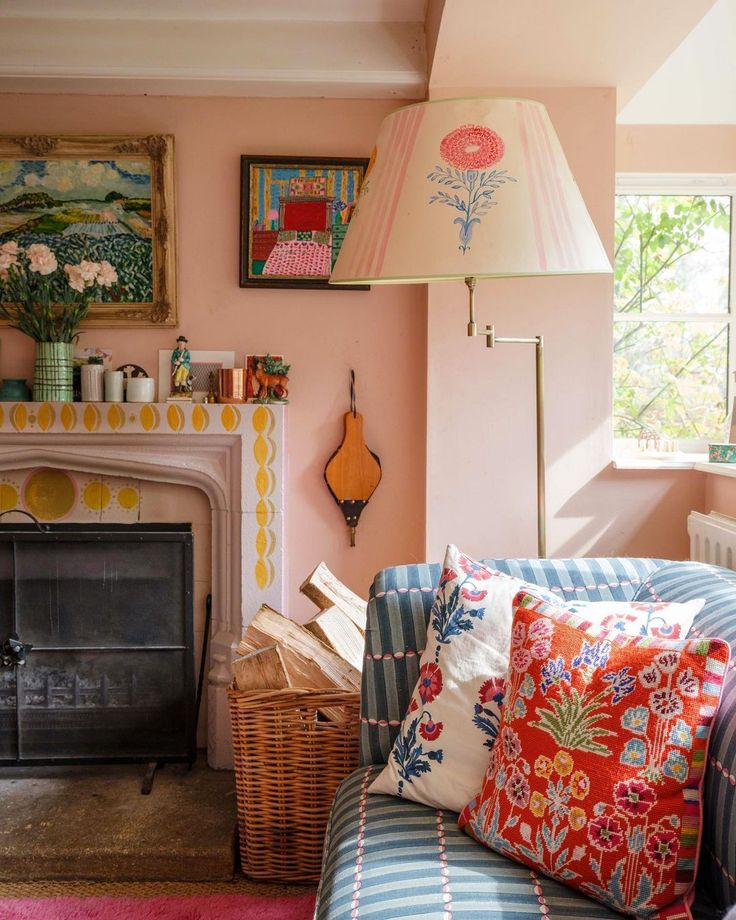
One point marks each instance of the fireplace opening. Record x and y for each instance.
(103, 616)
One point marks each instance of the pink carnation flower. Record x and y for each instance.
(106, 276)
(74, 277)
(41, 259)
(89, 270)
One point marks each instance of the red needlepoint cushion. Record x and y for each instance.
(441, 751)
(596, 776)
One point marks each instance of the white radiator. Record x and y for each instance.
(712, 538)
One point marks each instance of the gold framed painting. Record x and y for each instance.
(99, 198)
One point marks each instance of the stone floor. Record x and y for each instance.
(93, 823)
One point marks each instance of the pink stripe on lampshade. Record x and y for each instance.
(411, 136)
(401, 145)
(561, 198)
(546, 195)
(533, 190)
(362, 231)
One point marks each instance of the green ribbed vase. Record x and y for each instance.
(52, 380)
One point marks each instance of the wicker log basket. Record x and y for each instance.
(289, 759)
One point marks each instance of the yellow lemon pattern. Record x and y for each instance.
(175, 418)
(115, 417)
(200, 418)
(68, 417)
(91, 417)
(19, 417)
(264, 452)
(150, 419)
(45, 417)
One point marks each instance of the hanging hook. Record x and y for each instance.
(352, 392)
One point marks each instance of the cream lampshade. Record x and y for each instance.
(469, 189)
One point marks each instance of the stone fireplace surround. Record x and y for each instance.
(233, 454)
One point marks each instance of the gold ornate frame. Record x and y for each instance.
(159, 149)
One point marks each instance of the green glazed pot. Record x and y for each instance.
(13, 389)
(53, 377)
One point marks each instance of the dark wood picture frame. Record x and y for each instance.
(264, 238)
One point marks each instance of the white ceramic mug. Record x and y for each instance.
(92, 389)
(141, 389)
(113, 386)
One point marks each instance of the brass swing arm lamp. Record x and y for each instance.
(515, 211)
(538, 341)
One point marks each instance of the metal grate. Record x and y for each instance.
(106, 611)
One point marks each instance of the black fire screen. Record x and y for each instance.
(107, 610)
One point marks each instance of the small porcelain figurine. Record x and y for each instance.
(181, 366)
(271, 376)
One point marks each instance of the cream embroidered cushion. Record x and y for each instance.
(442, 749)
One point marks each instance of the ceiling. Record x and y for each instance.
(696, 85)
(671, 61)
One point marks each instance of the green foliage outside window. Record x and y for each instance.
(670, 362)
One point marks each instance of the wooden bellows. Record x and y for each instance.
(353, 472)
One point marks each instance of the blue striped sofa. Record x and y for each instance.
(386, 858)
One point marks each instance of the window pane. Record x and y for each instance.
(672, 253)
(669, 378)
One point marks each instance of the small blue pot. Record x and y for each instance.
(13, 389)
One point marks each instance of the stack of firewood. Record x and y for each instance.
(276, 653)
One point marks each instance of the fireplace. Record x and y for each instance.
(233, 455)
(103, 615)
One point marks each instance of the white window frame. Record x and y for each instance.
(686, 184)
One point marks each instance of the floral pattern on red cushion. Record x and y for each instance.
(596, 777)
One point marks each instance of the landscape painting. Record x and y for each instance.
(97, 207)
(294, 218)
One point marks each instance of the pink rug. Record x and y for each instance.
(202, 907)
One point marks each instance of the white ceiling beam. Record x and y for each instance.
(338, 59)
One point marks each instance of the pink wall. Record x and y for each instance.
(676, 148)
(481, 453)
(380, 333)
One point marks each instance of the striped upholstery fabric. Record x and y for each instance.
(683, 581)
(388, 859)
(398, 610)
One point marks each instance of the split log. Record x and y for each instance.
(333, 627)
(261, 669)
(309, 662)
(326, 591)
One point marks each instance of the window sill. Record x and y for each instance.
(697, 462)
(717, 469)
(677, 461)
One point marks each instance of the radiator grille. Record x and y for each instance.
(712, 538)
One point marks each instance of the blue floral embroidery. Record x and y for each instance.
(410, 757)
(519, 709)
(554, 672)
(634, 753)
(527, 686)
(487, 721)
(681, 735)
(592, 655)
(636, 719)
(676, 766)
(622, 682)
(449, 616)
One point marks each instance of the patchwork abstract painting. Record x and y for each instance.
(294, 217)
